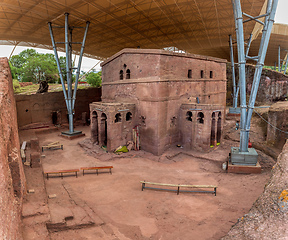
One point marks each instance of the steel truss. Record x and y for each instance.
(282, 62)
(236, 86)
(69, 95)
(246, 111)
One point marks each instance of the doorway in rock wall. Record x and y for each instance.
(94, 128)
(213, 141)
(54, 118)
(103, 129)
(218, 135)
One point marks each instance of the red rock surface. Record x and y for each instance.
(12, 180)
(267, 218)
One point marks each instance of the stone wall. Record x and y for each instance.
(201, 125)
(267, 219)
(12, 179)
(112, 124)
(273, 85)
(38, 108)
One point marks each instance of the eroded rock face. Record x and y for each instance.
(12, 180)
(268, 217)
(273, 85)
(277, 117)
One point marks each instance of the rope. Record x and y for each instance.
(270, 123)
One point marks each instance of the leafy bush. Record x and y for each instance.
(16, 86)
(94, 79)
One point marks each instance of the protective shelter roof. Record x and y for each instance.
(279, 37)
(189, 25)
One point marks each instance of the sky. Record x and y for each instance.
(88, 63)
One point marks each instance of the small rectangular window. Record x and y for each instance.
(211, 74)
(202, 74)
(189, 73)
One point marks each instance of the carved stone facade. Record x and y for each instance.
(161, 90)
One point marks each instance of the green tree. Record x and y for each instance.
(94, 79)
(30, 66)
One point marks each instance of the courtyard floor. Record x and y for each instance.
(112, 206)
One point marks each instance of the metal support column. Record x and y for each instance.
(79, 63)
(246, 112)
(286, 63)
(69, 95)
(279, 59)
(68, 72)
(235, 87)
(242, 62)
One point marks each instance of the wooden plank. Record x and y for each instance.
(23, 145)
(23, 155)
(53, 143)
(60, 146)
(180, 185)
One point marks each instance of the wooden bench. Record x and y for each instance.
(178, 187)
(97, 169)
(61, 172)
(54, 145)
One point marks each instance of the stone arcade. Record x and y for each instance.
(174, 98)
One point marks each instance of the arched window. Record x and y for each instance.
(121, 74)
(189, 73)
(200, 118)
(128, 116)
(219, 122)
(213, 141)
(127, 74)
(211, 74)
(117, 118)
(189, 116)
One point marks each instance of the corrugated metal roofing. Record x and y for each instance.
(188, 25)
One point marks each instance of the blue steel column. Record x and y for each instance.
(259, 66)
(279, 59)
(286, 63)
(58, 63)
(264, 31)
(69, 99)
(242, 75)
(235, 88)
(68, 73)
(268, 23)
(79, 64)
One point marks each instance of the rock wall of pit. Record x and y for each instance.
(12, 180)
(38, 108)
(268, 217)
(278, 118)
(273, 85)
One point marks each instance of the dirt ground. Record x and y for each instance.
(112, 206)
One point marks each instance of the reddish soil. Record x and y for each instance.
(113, 206)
